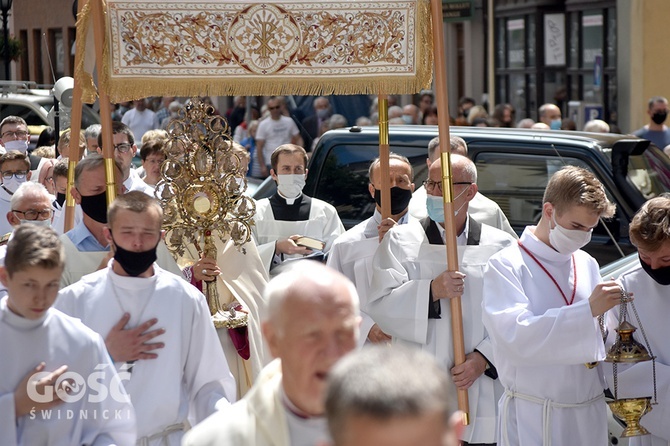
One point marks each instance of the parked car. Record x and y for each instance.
(25, 100)
(513, 166)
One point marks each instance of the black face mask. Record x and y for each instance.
(659, 117)
(660, 275)
(134, 263)
(60, 199)
(399, 199)
(95, 206)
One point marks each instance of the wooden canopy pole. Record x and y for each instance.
(99, 28)
(75, 152)
(447, 191)
(383, 112)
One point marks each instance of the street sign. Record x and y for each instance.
(592, 111)
(458, 10)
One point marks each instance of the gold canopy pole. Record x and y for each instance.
(447, 191)
(99, 28)
(75, 152)
(385, 185)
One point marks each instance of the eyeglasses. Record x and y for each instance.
(273, 108)
(19, 175)
(16, 134)
(430, 185)
(123, 147)
(32, 214)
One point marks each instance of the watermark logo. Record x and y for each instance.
(71, 387)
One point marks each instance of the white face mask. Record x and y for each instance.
(20, 145)
(290, 186)
(567, 241)
(44, 223)
(13, 183)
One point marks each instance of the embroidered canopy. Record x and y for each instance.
(223, 48)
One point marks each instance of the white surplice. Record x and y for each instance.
(403, 268)
(652, 302)
(481, 208)
(541, 345)
(352, 253)
(79, 263)
(190, 375)
(323, 224)
(57, 339)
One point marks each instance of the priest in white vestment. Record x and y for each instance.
(181, 374)
(289, 214)
(481, 208)
(41, 347)
(410, 292)
(240, 279)
(86, 247)
(649, 281)
(541, 300)
(352, 252)
(312, 321)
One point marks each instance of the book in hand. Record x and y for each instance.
(311, 243)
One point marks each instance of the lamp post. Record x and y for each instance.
(5, 6)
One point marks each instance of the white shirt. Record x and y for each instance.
(541, 345)
(190, 375)
(57, 340)
(134, 182)
(140, 122)
(275, 133)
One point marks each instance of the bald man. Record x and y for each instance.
(410, 289)
(312, 321)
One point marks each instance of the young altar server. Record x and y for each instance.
(43, 350)
(288, 215)
(184, 371)
(649, 281)
(541, 300)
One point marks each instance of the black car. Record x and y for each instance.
(513, 167)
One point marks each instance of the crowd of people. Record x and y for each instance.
(108, 338)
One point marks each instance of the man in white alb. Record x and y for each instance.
(183, 374)
(541, 300)
(312, 321)
(411, 288)
(352, 252)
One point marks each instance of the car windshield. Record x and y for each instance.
(650, 172)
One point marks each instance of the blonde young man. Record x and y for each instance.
(178, 371)
(649, 281)
(541, 300)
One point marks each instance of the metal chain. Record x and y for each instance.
(646, 341)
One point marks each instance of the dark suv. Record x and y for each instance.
(513, 167)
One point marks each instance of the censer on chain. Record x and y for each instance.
(626, 350)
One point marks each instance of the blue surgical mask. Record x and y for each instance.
(435, 208)
(556, 124)
(407, 119)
